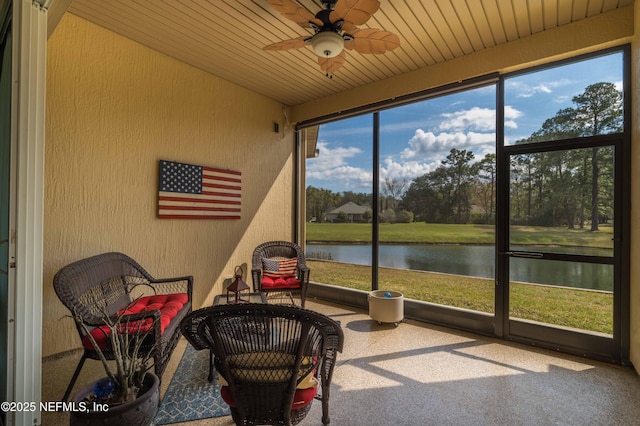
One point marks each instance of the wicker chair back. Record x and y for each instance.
(265, 353)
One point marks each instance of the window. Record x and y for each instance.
(577, 99)
(436, 203)
(522, 219)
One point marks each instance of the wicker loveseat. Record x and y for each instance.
(112, 284)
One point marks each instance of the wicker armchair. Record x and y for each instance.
(106, 284)
(282, 286)
(270, 358)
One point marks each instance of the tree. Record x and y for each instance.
(388, 216)
(599, 111)
(563, 125)
(417, 198)
(563, 186)
(549, 188)
(461, 173)
(444, 195)
(392, 190)
(319, 201)
(404, 216)
(367, 215)
(486, 186)
(342, 217)
(358, 198)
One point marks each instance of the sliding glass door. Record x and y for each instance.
(564, 236)
(563, 276)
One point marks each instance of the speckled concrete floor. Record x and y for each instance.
(417, 374)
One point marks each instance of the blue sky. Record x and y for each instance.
(415, 138)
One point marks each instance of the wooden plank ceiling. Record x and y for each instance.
(226, 37)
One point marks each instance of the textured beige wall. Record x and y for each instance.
(114, 108)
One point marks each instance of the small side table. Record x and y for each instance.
(257, 297)
(221, 299)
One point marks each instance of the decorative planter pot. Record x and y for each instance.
(386, 306)
(139, 412)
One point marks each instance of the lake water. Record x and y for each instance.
(475, 261)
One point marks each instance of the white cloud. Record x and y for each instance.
(401, 125)
(351, 178)
(331, 158)
(426, 145)
(472, 129)
(510, 115)
(524, 90)
(406, 171)
(431, 150)
(481, 119)
(332, 165)
(542, 88)
(423, 143)
(561, 99)
(619, 85)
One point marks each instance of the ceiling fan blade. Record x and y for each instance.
(294, 43)
(294, 12)
(371, 40)
(348, 27)
(356, 12)
(330, 65)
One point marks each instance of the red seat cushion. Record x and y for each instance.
(301, 398)
(269, 283)
(168, 304)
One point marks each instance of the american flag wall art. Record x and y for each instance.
(187, 191)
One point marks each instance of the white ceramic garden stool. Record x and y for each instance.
(386, 306)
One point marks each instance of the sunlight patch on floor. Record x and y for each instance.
(521, 359)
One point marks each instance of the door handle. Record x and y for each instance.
(527, 254)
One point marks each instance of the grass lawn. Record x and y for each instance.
(439, 233)
(587, 310)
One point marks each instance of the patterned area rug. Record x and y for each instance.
(190, 396)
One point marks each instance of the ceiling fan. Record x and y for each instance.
(335, 28)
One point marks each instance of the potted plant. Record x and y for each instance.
(129, 395)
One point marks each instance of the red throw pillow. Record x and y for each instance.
(279, 268)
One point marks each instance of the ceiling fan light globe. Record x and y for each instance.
(327, 44)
